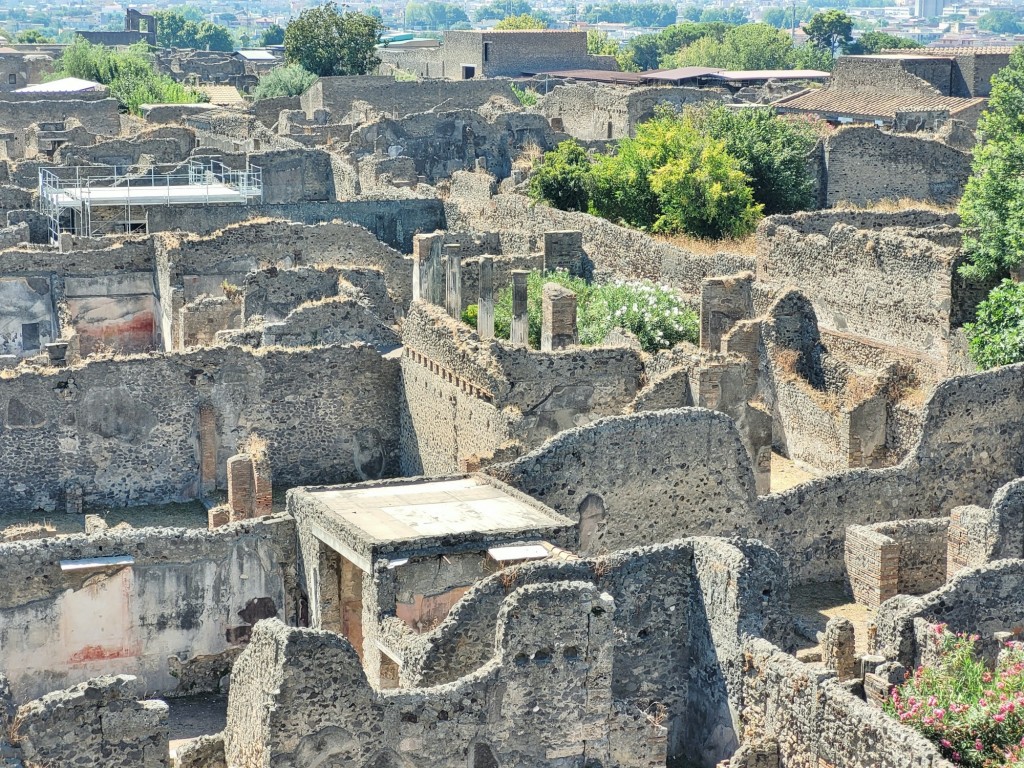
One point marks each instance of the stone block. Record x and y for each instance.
(558, 324)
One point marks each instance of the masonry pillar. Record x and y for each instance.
(838, 648)
(564, 250)
(485, 302)
(425, 250)
(724, 301)
(241, 487)
(453, 274)
(520, 314)
(207, 449)
(263, 492)
(558, 313)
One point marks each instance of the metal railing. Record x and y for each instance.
(79, 189)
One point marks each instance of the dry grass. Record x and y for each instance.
(23, 531)
(528, 157)
(256, 447)
(745, 247)
(891, 205)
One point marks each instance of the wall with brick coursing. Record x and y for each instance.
(481, 391)
(815, 721)
(128, 431)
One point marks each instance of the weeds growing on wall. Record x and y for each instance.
(526, 97)
(974, 716)
(654, 314)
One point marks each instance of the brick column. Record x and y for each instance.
(263, 492)
(207, 449)
(485, 302)
(241, 487)
(558, 324)
(563, 250)
(520, 314)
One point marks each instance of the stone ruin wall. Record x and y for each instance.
(387, 96)
(189, 594)
(153, 428)
(613, 250)
(863, 165)
(465, 397)
(884, 286)
(696, 479)
(708, 610)
(590, 112)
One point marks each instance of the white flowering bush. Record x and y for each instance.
(653, 313)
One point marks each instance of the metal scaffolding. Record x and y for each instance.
(68, 196)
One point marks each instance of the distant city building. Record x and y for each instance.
(928, 9)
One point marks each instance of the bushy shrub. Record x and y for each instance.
(562, 178)
(997, 335)
(526, 97)
(974, 716)
(654, 314)
(129, 74)
(287, 80)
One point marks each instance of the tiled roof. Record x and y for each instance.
(222, 94)
(871, 104)
(960, 50)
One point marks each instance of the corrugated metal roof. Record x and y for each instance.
(771, 74)
(64, 85)
(596, 75)
(960, 50)
(257, 55)
(871, 104)
(681, 73)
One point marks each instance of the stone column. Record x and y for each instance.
(558, 324)
(453, 273)
(485, 302)
(838, 648)
(263, 491)
(425, 251)
(520, 314)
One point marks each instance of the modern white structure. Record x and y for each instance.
(100, 200)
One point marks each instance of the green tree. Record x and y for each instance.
(783, 18)
(434, 15)
(703, 192)
(499, 9)
(996, 337)
(758, 46)
(1001, 22)
(831, 31)
(33, 36)
(992, 216)
(703, 52)
(272, 35)
(526, 21)
(808, 56)
(287, 80)
(327, 43)
(562, 179)
(771, 150)
(644, 51)
(726, 15)
(875, 41)
(175, 29)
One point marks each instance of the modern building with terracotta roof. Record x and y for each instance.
(911, 89)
